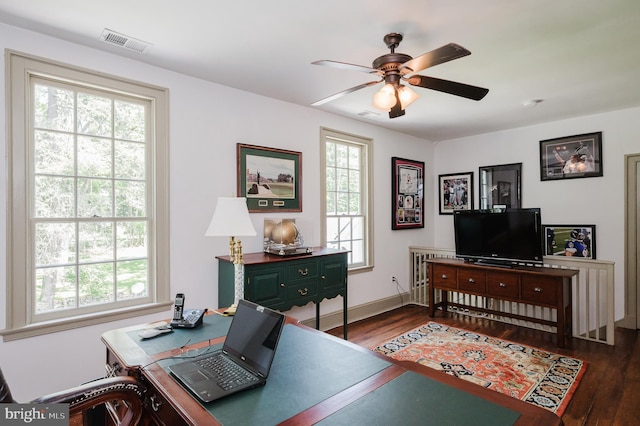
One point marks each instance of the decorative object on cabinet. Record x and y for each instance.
(500, 186)
(282, 282)
(269, 178)
(407, 193)
(571, 157)
(283, 238)
(570, 240)
(231, 219)
(456, 192)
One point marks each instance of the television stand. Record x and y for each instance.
(546, 287)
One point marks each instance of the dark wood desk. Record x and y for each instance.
(316, 378)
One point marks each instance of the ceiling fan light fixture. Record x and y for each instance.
(385, 99)
(407, 96)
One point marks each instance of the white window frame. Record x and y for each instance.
(20, 68)
(366, 191)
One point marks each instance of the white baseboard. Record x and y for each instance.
(356, 313)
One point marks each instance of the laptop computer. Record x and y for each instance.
(244, 360)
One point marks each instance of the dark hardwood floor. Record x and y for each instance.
(609, 393)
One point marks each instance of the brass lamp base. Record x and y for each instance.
(230, 311)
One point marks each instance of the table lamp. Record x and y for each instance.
(231, 219)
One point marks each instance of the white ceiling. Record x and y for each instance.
(579, 56)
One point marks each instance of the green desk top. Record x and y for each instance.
(213, 326)
(419, 400)
(308, 368)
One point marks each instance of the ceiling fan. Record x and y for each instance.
(395, 68)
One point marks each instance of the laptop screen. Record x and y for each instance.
(253, 336)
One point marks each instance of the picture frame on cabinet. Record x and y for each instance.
(570, 241)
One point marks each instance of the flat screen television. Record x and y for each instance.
(505, 238)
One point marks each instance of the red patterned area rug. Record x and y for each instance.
(542, 378)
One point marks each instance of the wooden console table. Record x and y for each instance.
(547, 287)
(281, 282)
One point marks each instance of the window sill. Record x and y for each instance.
(39, 329)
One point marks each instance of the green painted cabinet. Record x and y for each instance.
(281, 282)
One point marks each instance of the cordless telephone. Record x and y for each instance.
(189, 318)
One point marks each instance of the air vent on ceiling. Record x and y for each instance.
(367, 113)
(121, 40)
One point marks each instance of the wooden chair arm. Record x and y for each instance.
(92, 394)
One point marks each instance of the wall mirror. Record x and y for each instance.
(500, 186)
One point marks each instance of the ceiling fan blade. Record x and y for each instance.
(438, 56)
(346, 66)
(459, 89)
(344, 92)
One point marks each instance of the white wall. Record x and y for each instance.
(207, 120)
(597, 200)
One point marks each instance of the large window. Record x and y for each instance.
(347, 202)
(88, 197)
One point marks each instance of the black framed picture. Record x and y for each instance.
(571, 157)
(501, 186)
(269, 178)
(407, 193)
(455, 192)
(570, 240)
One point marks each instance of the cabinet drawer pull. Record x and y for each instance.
(282, 285)
(303, 292)
(503, 285)
(155, 405)
(472, 281)
(303, 273)
(537, 290)
(444, 276)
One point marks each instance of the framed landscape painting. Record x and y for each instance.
(456, 192)
(269, 178)
(407, 194)
(570, 240)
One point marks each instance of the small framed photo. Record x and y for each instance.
(456, 192)
(571, 157)
(407, 193)
(269, 178)
(570, 240)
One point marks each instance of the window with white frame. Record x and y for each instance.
(346, 163)
(88, 198)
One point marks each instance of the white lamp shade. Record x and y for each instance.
(385, 99)
(407, 96)
(231, 219)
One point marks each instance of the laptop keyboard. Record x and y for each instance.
(226, 373)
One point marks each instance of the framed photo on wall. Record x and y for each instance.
(570, 240)
(500, 186)
(407, 193)
(269, 178)
(455, 192)
(571, 157)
